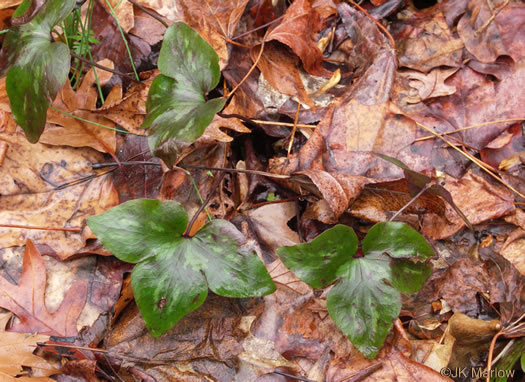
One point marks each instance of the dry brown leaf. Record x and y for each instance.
(280, 69)
(338, 156)
(514, 248)
(271, 224)
(27, 300)
(9, 3)
(478, 199)
(424, 41)
(64, 130)
(8, 378)
(31, 177)
(16, 351)
(488, 38)
(123, 10)
(128, 111)
(214, 20)
(296, 30)
(150, 31)
(412, 86)
(213, 131)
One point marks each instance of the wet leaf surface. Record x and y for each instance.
(173, 272)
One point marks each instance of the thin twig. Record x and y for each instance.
(214, 187)
(253, 172)
(283, 124)
(258, 28)
(421, 192)
(103, 67)
(76, 230)
(381, 26)
(491, 18)
(472, 158)
(147, 11)
(362, 374)
(262, 122)
(471, 127)
(249, 71)
(294, 128)
(187, 166)
(96, 166)
(291, 376)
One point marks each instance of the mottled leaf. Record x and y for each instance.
(396, 239)
(174, 271)
(317, 262)
(364, 304)
(177, 107)
(36, 67)
(366, 299)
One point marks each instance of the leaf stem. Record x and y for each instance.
(198, 193)
(187, 166)
(124, 39)
(103, 67)
(214, 187)
(73, 229)
(258, 28)
(421, 192)
(91, 122)
(147, 11)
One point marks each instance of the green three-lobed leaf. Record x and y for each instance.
(366, 299)
(174, 273)
(176, 107)
(36, 67)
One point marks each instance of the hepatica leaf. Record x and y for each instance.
(36, 67)
(176, 107)
(173, 272)
(366, 297)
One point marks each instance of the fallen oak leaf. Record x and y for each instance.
(66, 130)
(420, 183)
(16, 351)
(27, 300)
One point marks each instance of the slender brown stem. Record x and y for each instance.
(258, 28)
(292, 376)
(294, 128)
(253, 172)
(381, 26)
(470, 127)
(147, 11)
(214, 187)
(74, 229)
(261, 50)
(421, 192)
(472, 158)
(85, 60)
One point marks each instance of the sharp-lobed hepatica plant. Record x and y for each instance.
(366, 296)
(177, 108)
(36, 67)
(173, 271)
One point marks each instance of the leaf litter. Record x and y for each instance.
(454, 65)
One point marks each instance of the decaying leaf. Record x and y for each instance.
(27, 300)
(50, 187)
(16, 351)
(62, 129)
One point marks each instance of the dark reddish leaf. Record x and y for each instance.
(488, 37)
(296, 30)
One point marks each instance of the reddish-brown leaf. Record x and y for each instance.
(487, 37)
(296, 30)
(27, 300)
